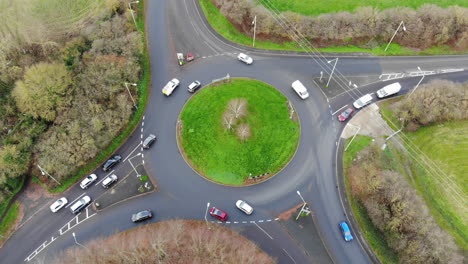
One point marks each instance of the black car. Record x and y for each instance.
(149, 141)
(143, 215)
(111, 162)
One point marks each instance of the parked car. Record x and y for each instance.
(57, 205)
(194, 86)
(244, 207)
(80, 204)
(346, 114)
(149, 141)
(109, 180)
(363, 101)
(88, 181)
(111, 162)
(143, 215)
(346, 231)
(245, 58)
(221, 215)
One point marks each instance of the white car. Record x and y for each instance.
(58, 204)
(109, 181)
(88, 181)
(170, 87)
(244, 207)
(245, 58)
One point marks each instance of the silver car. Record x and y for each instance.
(245, 58)
(88, 181)
(244, 207)
(108, 181)
(194, 86)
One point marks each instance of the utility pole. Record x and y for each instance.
(254, 23)
(206, 212)
(43, 172)
(417, 85)
(131, 11)
(131, 97)
(332, 70)
(404, 29)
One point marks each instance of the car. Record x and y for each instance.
(111, 162)
(346, 231)
(170, 86)
(109, 180)
(221, 215)
(80, 204)
(194, 86)
(149, 141)
(244, 207)
(245, 58)
(143, 215)
(88, 181)
(58, 204)
(346, 114)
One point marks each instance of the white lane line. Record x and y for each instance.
(339, 109)
(236, 222)
(228, 222)
(211, 47)
(141, 136)
(263, 231)
(244, 222)
(260, 221)
(269, 220)
(143, 123)
(132, 151)
(276, 219)
(104, 177)
(289, 255)
(75, 200)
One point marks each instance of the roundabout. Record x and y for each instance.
(239, 133)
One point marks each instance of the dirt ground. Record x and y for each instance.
(368, 122)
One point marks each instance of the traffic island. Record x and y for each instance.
(132, 185)
(238, 133)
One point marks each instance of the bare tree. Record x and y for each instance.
(228, 120)
(243, 131)
(238, 107)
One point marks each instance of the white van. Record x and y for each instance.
(82, 203)
(363, 101)
(300, 89)
(389, 90)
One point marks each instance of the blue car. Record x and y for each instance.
(346, 231)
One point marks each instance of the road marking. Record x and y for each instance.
(339, 109)
(263, 230)
(227, 222)
(143, 123)
(260, 221)
(211, 47)
(236, 222)
(276, 219)
(269, 220)
(132, 151)
(75, 200)
(244, 222)
(289, 255)
(104, 177)
(143, 118)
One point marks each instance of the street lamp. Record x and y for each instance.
(43, 172)
(418, 82)
(254, 23)
(206, 212)
(404, 29)
(133, 100)
(74, 236)
(303, 208)
(299, 193)
(332, 70)
(131, 10)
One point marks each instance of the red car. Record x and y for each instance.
(346, 114)
(218, 214)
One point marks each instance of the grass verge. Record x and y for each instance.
(143, 93)
(373, 236)
(219, 153)
(7, 223)
(222, 25)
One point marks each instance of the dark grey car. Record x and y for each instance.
(143, 215)
(111, 162)
(149, 141)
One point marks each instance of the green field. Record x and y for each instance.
(373, 236)
(217, 152)
(228, 31)
(7, 224)
(317, 7)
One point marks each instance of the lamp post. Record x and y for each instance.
(299, 193)
(303, 209)
(131, 10)
(133, 100)
(43, 172)
(74, 236)
(404, 29)
(206, 212)
(417, 85)
(254, 23)
(332, 70)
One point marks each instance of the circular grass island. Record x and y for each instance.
(238, 133)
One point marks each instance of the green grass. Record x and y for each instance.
(228, 31)
(317, 7)
(219, 154)
(143, 93)
(373, 236)
(387, 114)
(446, 145)
(8, 221)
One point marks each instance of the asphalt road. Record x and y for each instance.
(177, 26)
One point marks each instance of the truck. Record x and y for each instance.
(300, 89)
(170, 87)
(389, 90)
